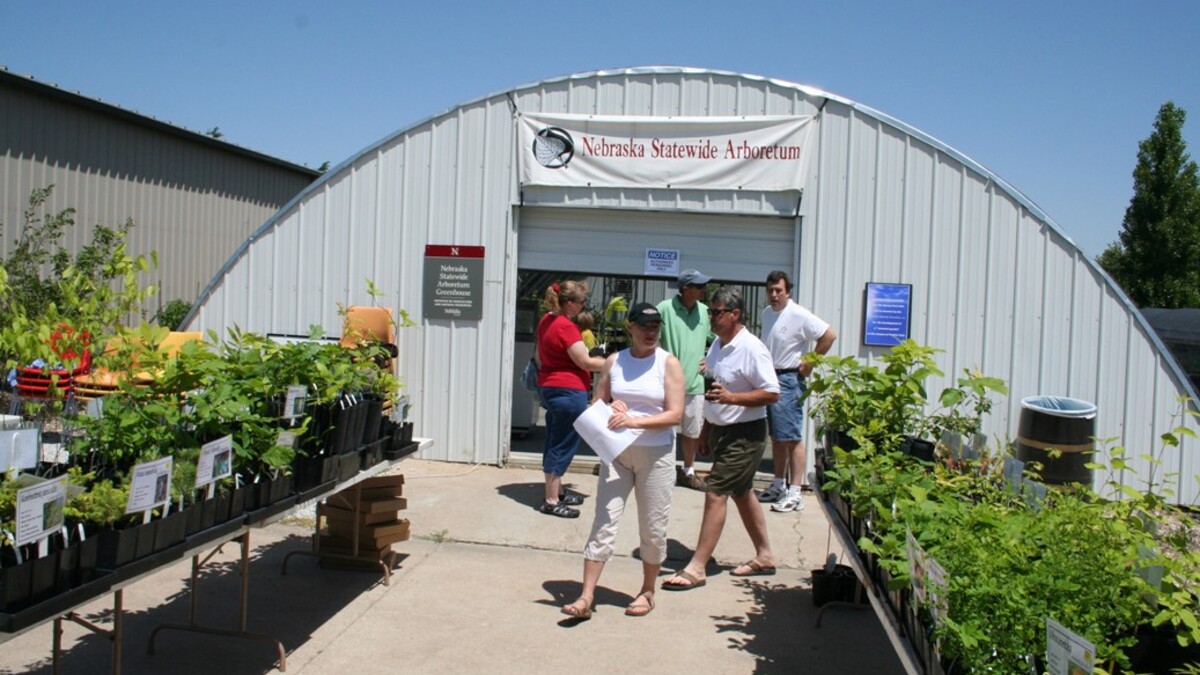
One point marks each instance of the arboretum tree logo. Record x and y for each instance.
(553, 147)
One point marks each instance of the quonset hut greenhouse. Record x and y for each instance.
(627, 176)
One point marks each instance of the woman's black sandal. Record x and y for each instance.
(561, 510)
(570, 499)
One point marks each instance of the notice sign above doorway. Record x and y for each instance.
(453, 282)
(662, 262)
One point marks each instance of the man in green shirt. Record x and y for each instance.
(685, 334)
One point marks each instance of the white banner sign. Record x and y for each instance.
(723, 153)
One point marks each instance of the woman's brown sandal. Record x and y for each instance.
(641, 610)
(573, 610)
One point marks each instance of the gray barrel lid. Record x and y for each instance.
(1060, 406)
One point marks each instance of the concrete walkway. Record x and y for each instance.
(478, 590)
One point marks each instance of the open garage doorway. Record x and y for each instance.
(609, 299)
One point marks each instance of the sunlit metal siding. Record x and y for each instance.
(193, 199)
(996, 285)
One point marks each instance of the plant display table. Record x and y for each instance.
(62, 608)
(891, 622)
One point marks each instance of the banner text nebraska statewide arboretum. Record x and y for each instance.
(705, 149)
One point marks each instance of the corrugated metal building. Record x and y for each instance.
(194, 199)
(995, 283)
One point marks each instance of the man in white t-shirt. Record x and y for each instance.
(739, 384)
(789, 331)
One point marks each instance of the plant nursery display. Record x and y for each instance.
(976, 559)
(132, 439)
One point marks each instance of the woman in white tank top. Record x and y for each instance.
(644, 385)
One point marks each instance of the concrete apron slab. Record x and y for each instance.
(479, 588)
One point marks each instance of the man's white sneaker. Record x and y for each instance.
(772, 494)
(792, 501)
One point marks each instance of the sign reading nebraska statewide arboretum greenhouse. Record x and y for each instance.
(453, 282)
(769, 153)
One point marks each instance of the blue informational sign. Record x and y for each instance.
(886, 314)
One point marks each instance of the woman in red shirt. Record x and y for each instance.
(564, 378)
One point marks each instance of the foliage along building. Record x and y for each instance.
(193, 198)
(641, 171)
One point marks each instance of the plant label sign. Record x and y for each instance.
(453, 286)
(150, 485)
(928, 578)
(1066, 652)
(216, 461)
(20, 448)
(294, 401)
(40, 509)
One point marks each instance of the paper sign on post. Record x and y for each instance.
(40, 510)
(295, 401)
(150, 485)
(1066, 652)
(592, 426)
(216, 461)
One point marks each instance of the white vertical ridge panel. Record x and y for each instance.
(967, 350)
(889, 205)
(1085, 340)
(945, 253)
(1057, 316)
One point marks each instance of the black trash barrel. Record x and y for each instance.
(1066, 424)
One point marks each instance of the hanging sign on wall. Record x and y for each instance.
(768, 153)
(453, 286)
(886, 314)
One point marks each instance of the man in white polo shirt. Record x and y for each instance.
(743, 383)
(789, 331)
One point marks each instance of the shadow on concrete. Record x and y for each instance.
(564, 591)
(288, 608)
(779, 629)
(532, 494)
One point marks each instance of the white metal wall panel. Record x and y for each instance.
(996, 284)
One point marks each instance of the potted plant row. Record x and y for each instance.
(1120, 568)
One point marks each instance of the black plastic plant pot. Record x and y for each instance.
(373, 418)
(117, 548)
(145, 539)
(836, 585)
(45, 574)
(224, 502)
(237, 503)
(68, 568)
(281, 487)
(89, 552)
(208, 512)
(918, 448)
(172, 530)
(15, 583)
(194, 519)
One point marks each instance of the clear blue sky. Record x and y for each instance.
(1052, 96)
